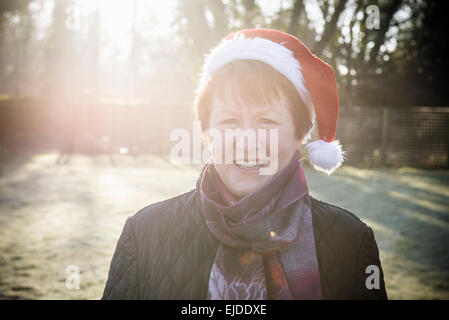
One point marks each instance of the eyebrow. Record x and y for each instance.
(269, 111)
(226, 110)
(265, 110)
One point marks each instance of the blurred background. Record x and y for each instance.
(91, 89)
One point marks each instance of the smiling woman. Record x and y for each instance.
(249, 94)
(241, 234)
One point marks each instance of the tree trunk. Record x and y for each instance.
(384, 26)
(298, 8)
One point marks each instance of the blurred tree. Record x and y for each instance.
(201, 23)
(369, 59)
(298, 9)
(420, 59)
(12, 6)
(60, 48)
(20, 40)
(329, 27)
(92, 53)
(251, 11)
(399, 61)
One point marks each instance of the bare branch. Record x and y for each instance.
(329, 29)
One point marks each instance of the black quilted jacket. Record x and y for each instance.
(166, 251)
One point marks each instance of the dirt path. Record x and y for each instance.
(53, 216)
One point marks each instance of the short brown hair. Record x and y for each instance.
(254, 83)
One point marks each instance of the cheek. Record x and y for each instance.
(285, 140)
(288, 139)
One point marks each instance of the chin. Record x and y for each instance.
(242, 185)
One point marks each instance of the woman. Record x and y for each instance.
(250, 229)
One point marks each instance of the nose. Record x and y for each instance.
(247, 142)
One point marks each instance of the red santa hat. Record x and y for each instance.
(313, 79)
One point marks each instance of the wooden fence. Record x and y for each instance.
(373, 136)
(417, 136)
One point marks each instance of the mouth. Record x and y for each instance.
(252, 165)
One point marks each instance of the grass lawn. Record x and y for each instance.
(53, 216)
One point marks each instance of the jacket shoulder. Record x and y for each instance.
(164, 209)
(345, 247)
(328, 216)
(175, 249)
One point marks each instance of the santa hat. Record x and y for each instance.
(313, 79)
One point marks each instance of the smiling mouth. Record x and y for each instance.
(252, 165)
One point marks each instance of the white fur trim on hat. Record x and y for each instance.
(274, 54)
(325, 156)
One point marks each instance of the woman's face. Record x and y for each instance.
(243, 175)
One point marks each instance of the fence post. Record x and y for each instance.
(384, 132)
(447, 140)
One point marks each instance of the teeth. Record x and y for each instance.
(247, 166)
(251, 164)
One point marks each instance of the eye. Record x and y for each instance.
(267, 121)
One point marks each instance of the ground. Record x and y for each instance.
(55, 216)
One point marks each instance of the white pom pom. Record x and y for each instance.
(325, 156)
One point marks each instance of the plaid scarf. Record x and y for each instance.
(267, 247)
